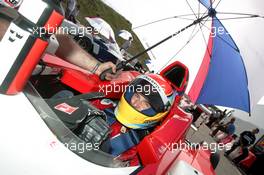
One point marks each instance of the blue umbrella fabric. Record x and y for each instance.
(226, 83)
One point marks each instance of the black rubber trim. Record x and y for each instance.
(28, 26)
(63, 134)
(44, 17)
(52, 5)
(17, 64)
(137, 170)
(8, 13)
(55, 4)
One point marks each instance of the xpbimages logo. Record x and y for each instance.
(49, 30)
(82, 147)
(180, 146)
(215, 32)
(120, 88)
(218, 31)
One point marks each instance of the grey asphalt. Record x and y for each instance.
(225, 167)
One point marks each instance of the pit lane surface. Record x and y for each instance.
(225, 167)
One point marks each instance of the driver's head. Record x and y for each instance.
(146, 101)
(139, 102)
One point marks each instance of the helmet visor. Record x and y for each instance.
(149, 91)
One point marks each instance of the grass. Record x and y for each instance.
(117, 22)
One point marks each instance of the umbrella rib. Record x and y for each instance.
(247, 17)
(205, 13)
(207, 49)
(192, 35)
(120, 65)
(163, 19)
(217, 4)
(185, 18)
(187, 42)
(213, 2)
(199, 8)
(191, 9)
(223, 39)
(232, 13)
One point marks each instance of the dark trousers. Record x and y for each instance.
(219, 128)
(235, 145)
(240, 157)
(211, 121)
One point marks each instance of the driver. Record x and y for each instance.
(146, 101)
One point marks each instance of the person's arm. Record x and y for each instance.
(226, 124)
(73, 53)
(3, 27)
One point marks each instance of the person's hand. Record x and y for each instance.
(105, 66)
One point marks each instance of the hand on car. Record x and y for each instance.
(105, 66)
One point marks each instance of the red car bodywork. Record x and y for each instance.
(248, 162)
(156, 150)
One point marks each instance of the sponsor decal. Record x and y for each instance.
(64, 107)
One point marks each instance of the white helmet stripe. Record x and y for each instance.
(160, 90)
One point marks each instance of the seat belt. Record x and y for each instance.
(123, 142)
(110, 116)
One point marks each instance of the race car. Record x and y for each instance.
(100, 47)
(39, 132)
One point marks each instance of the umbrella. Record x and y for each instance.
(125, 34)
(102, 27)
(223, 45)
(233, 62)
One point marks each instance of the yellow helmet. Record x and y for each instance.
(158, 93)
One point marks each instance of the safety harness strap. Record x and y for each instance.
(123, 142)
(110, 119)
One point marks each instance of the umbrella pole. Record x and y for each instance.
(122, 64)
(169, 37)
